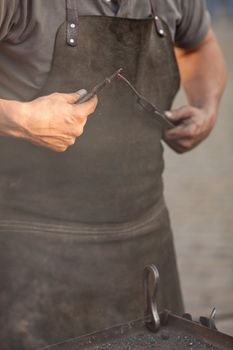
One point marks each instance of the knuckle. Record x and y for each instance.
(182, 150)
(179, 150)
(69, 119)
(64, 148)
(82, 121)
(55, 94)
(82, 115)
(95, 101)
(186, 144)
(79, 131)
(189, 133)
(60, 149)
(169, 135)
(71, 141)
(72, 112)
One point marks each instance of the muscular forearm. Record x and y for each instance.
(203, 74)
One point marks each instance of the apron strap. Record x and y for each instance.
(158, 22)
(71, 22)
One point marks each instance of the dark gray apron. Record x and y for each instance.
(79, 227)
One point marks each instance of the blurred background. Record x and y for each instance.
(199, 192)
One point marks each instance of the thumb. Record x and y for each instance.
(75, 96)
(178, 114)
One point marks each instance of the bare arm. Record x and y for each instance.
(52, 121)
(203, 75)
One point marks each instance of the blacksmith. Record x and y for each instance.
(82, 210)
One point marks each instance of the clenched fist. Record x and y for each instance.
(52, 121)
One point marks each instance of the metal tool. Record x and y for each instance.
(99, 87)
(209, 322)
(155, 331)
(151, 314)
(148, 106)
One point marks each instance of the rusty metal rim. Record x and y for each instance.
(168, 321)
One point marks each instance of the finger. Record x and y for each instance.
(181, 131)
(83, 110)
(48, 145)
(181, 146)
(176, 147)
(74, 96)
(179, 114)
(58, 144)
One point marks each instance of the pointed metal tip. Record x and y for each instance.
(114, 75)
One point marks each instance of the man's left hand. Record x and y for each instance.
(193, 125)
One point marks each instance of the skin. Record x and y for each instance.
(203, 76)
(53, 121)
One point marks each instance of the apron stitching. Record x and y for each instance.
(100, 231)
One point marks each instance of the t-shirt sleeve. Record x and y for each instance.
(9, 12)
(193, 24)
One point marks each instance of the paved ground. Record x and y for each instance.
(199, 191)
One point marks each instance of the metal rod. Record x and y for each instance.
(149, 107)
(99, 87)
(151, 310)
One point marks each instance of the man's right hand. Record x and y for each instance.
(52, 121)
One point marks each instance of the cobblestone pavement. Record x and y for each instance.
(199, 192)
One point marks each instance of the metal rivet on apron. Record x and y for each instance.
(72, 22)
(159, 26)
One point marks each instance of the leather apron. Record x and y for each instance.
(80, 269)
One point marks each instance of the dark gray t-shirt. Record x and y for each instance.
(28, 30)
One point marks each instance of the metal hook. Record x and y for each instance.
(212, 319)
(153, 321)
(209, 321)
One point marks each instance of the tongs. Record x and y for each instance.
(148, 106)
(144, 103)
(96, 89)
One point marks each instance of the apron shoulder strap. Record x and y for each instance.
(71, 22)
(158, 22)
(153, 7)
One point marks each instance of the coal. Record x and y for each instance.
(164, 340)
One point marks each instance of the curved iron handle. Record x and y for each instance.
(209, 321)
(151, 314)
